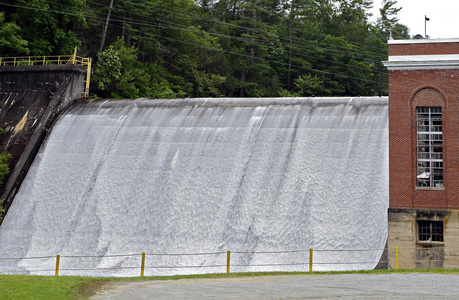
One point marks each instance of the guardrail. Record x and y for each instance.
(155, 261)
(151, 261)
(52, 60)
(44, 60)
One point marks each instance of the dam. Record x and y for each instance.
(187, 180)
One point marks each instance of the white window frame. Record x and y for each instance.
(429, 147)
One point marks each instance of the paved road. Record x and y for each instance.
(347, 286)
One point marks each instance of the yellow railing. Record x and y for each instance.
(44, 60)
(51, 60)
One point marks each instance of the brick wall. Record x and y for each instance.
(419, 48)
(408, 89)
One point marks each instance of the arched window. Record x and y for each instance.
(429, 142)
(429, 147)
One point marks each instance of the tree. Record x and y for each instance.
(107, 71)
(352, 19)
(11, 42)
(48, 24)
(119, 74)
(308, 85)
(300, 25)
(400, 32)
(201, 64)
(212, 48)
(253, 41)
(388, 17)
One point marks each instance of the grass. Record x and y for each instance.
(76, 287)
(48, 287)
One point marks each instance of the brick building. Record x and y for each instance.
(424, 153)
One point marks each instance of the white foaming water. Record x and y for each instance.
(205, 176)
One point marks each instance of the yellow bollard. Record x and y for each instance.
(396, 258)
(88, 79)
(58, 258)
(228, 255)
(142, 267)
(310, 260)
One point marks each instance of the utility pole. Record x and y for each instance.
(104, 34)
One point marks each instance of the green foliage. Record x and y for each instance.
(133, 81)
(11, 43)
(119, 74)
(308, 85)
(48, 32)
(108, 69)
(201, 62)
(4, 168)
(400, 32)
(186, 48)
(163, 85)
(2, 209)
(4, 171)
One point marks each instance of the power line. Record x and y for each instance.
(376, 55)
(130, 20)
(100, 19)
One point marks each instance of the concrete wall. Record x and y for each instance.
(31, 97)
(403, 233)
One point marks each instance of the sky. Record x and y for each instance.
(443, 15)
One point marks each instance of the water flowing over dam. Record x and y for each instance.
(266, 179)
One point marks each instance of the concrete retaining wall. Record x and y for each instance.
(31, 97)
(413, 253)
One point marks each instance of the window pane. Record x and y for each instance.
(429, 147)
(430, 231)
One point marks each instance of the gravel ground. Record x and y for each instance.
(346, 286)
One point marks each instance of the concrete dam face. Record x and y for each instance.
(187, 180)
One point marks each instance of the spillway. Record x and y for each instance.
(187, 180)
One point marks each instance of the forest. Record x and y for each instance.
(212, 48)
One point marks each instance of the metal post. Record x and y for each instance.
(142, 267)
(396, 258)
(310, 260)
(228, 256)
(58, 258)
(88, 79)
(425, 26)
(74, 56)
